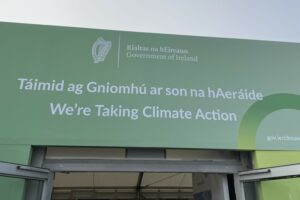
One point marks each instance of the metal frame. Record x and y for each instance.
(146, 160)
(34, 189)
(29, 173)
(127, 165)
(264, 174)
(126, 193)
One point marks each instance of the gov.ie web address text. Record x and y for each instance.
(283, 138)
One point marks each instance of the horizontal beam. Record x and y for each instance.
(97, 165)
(21, 171)
(280, 172)
(119, 188)
(122, 195)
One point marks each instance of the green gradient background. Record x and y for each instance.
(259, 111)
(277, 189)
(48, 53)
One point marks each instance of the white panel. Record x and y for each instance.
(174, 154)
(96, 179)
(100, 179)
(167, 180)
(116, 179)
(73, 180)
(84, 153)
(119, 153)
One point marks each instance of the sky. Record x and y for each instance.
(275, 20)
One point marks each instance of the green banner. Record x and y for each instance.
(87, 87)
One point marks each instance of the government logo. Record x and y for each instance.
(100, 49)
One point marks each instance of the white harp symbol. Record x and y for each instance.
(100, 49)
